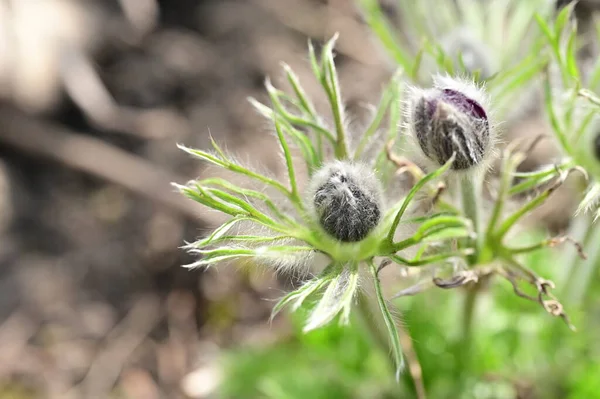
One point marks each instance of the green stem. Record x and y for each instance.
(469, 310)
(465, 347)
(470, 193)
(470, 201)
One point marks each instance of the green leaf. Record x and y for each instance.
(337, 298)
(297, 297)
(510, 81)
(562, 19)
(448, 233)
(389, 322)
(232, 166)
(388, 97)
(571, 56)
(511, 220)
(217, 255)
(244, 192)
(288, 162)
(381, 164)
(204, 198)
(301, 95)
(230, 199)
(537, 178)
(546, 30)
(432, 259)
(591, 199)
(554, 121)
(331, 85)
(217, 233)
(427, 178)
(382, 29)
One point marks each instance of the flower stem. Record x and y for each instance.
(470, 192)
(467, 320)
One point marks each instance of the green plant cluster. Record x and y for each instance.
(455, 345)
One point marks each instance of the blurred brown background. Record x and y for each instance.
(94, 96)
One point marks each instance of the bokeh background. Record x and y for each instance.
(94, 96)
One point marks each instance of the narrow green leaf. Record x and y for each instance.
(389, 323)
(339, 293)
(247, 193)
(234, 167)
(314, 63)
(204, 198)
(217, 233)
(531, 183)
(511, 220)
(330, 83)
(413, 192)
(384, 104)
(383, 30)
(242, 204)
(562, 19)
(301, 95)
(297, 297)
(509, 82)
(429, 260)
(545, 29)
(288, 162)
(381, 164)
(571, 55)
(591, 198)
(447, 233)
(554, 121)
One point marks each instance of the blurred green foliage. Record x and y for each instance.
(516, 351)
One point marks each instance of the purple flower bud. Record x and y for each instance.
(446, 120)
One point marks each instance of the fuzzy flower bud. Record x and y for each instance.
(347, 200)
(451, 118)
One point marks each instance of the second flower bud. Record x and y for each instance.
(451, 118)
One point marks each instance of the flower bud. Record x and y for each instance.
(450, 118)
(347, 200)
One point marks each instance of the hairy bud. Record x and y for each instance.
(347, 200)
(450, 118)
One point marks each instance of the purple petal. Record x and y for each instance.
(464, 103)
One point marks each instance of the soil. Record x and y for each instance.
(93, 299)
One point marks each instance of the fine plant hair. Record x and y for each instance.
(438, 129)
(346, 198)
(465, 123)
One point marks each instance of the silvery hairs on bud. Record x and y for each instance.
(596, 146)
(451, 117)
(347, 200)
